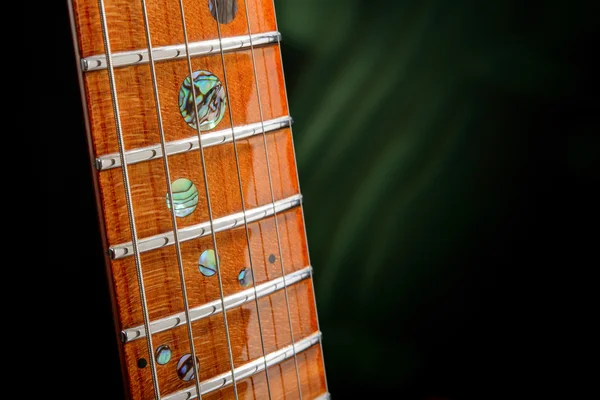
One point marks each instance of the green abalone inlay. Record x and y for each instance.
(185, 197)
(211, 101)
(207, 263)
(163, 354)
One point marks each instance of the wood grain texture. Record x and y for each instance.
(138, 109)
(211, 345)
(126, 24)
(282, 380)
(140, 128)
(149, 186)
(161, 274)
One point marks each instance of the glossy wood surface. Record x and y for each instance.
(140, 128)
(161, 274)
(126, 24)
(149, 187)
(282, 380)
(211, 345)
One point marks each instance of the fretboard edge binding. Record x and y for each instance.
(215, 307)
(110, 161)
(247, 370)
(178, 51)
(204, 229)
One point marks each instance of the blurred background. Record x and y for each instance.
(442, 149)
(448, 153)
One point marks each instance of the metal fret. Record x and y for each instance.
(247, 370)
(204, 229)
(176, 52)
(325, 396)
(113, 160)
(215, 307)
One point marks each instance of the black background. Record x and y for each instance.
(517, 323)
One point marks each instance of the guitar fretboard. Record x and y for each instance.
(190, 138)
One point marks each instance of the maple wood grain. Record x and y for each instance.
(268, 254)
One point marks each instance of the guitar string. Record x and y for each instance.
(243, 200)
(126, 184)
(266, 147)
(208, 201)
(165, 158)
(312, 281)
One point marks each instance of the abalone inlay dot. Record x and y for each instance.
(185, 197)
(163, 354)
(211, 101)
(245, 277)
(227, 10)
(207, 263)
(185, 368)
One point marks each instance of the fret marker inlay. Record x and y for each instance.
(185, 197)
(207, 264)
(210, 103)
(245, 277)
(185, 368)
(163, 354)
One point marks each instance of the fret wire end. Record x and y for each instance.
(112, 253)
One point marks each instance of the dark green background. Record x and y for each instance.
(440, 147)
(447, 154)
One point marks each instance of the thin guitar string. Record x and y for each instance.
(208, 201)
(165, 158)
(132, 227)
(243, 200)
(301, 205)
(266, 147)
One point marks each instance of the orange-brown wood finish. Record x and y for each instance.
(148, 184)
(211, 345)
(282, 380)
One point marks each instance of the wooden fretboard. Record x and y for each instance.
(197, 188)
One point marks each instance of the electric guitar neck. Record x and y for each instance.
(201, 211)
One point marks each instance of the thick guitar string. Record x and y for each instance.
(208, 201)
(266, 147)
(165, 158)
(243, 200)
(301, 205)
(132, 227)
